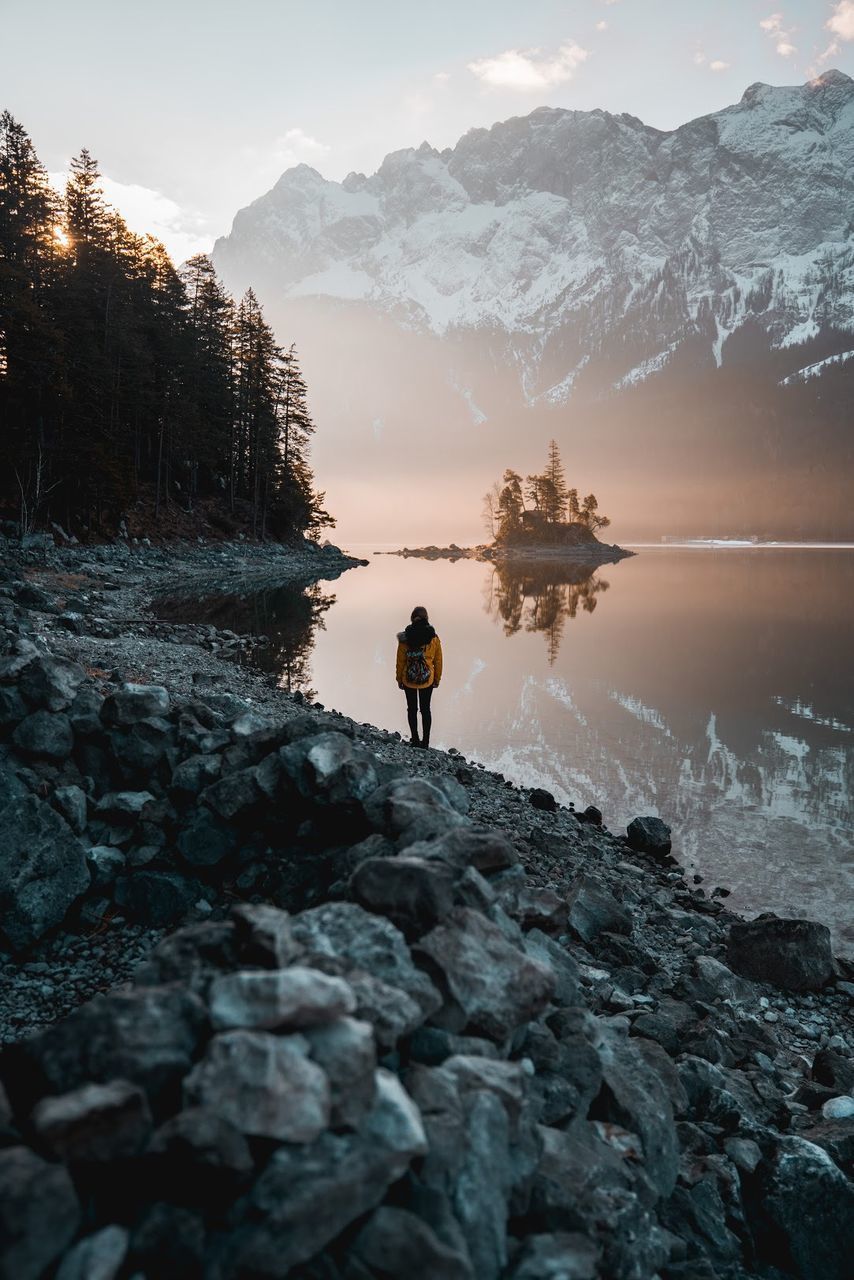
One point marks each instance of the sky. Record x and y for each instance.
(194, 108)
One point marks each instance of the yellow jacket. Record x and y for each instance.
(432, 656)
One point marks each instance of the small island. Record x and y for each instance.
(539, 517)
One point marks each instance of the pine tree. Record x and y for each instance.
(555, 493)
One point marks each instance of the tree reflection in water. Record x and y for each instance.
(539, 595)
(288, 616)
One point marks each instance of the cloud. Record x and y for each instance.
(149, 212)
(716, 64)
(719, 65)
(530, 69)
(699, 58)
(774, 26)
(442, 77)
(297, 147)
(602, 25)
(841, 22)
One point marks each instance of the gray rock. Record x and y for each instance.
(839, 1108)
(265, 1086)
(833, 1069)
(541, 799)
(96, 1257)
(199, 1148)
(400, 1245)
(390, 1010)
(792, 954)
(95, 1123)
(12, 707)
(744, 1153)
(195, 773)
(51, 683)
(540, 947)
(105, 863)
(194, 955)
(233, 794)
(267, 1000)
(592, 909)
(128, 805)
(637, 1098)
(330, 769)
(140, 747)
(494, 987)
(157, 898)
(808, 1205)
(409, 810)
(134, 702)
(485, 849)
(45, 735)
(42, 871)
(714, 981)
(264, 935)
(649, 835)
(71, 803)
(206, 840)
(346, 1052)
(564, 1255)
(307, 1195)
(415, 893)
(85, 712)
(343, 938)
(148, 1035)
(39, 1213)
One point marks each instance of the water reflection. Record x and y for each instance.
(540, 595)
(288, 616)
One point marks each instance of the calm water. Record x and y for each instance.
(714, 688)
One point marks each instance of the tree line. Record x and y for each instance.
(539, 501)
(125, 380)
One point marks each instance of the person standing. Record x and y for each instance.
(419, 670)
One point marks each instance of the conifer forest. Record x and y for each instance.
(135, 394)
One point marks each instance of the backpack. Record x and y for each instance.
(416, 670)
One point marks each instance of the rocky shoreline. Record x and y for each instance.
(282, 997)
(594, 552)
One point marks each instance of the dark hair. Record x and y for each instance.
(419, 612)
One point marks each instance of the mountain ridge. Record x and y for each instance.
(584, 224)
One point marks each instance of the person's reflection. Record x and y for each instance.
(540, 595)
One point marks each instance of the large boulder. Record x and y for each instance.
(134, 702)
(96, 1257)
(39, 1213)
(308, 1194)
(592, 909)
(398, 1244)
(649, 835)
(408, 810)
(493, 986)
(42, 870)
(792, 954)
(157, 898)
(45, 735)
(269, 1000)
(148, 1035)
(416, 893)
(51, 683)
(330, 769)
(343, 938)
(266, 1086)
(95, 1123)
(484, 848)
(805, 1212)
(346, 1051)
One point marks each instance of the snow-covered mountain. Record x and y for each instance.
(581, 239)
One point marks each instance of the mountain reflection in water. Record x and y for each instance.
(540, 595)
(714, 688)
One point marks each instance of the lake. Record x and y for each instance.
(711, 687)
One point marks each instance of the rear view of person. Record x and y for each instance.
(419, 670)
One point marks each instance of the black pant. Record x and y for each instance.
(414, 699)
